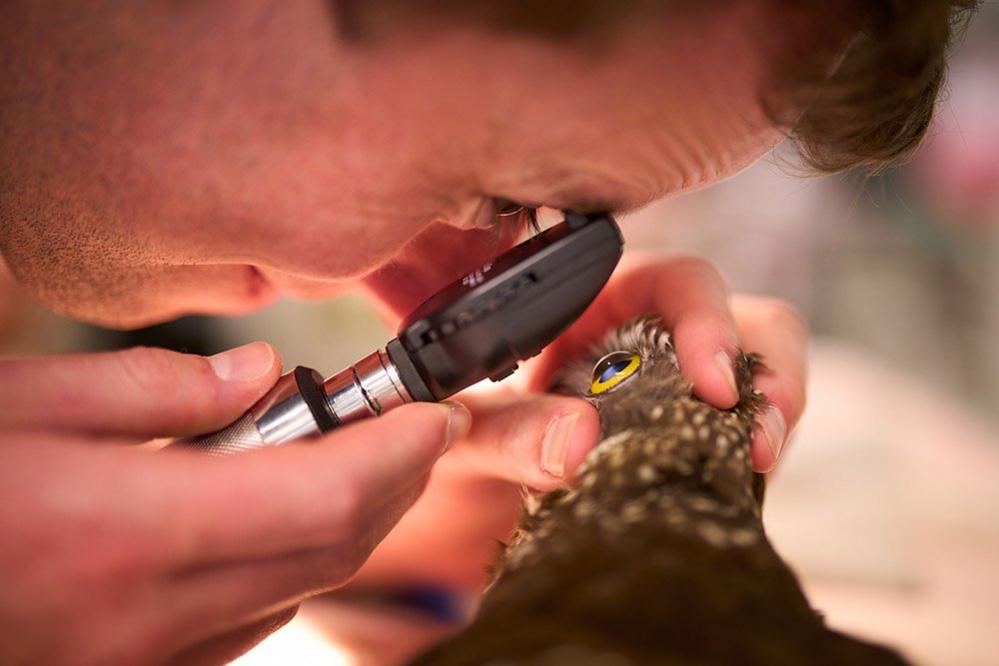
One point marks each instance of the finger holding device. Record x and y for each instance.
(479, 326)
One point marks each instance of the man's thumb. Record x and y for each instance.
(536, 440)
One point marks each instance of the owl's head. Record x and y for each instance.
(634, 381)
(631, 377)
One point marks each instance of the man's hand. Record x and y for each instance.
(113, 554)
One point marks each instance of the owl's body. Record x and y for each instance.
(658, 555)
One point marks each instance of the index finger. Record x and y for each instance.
(301, 495)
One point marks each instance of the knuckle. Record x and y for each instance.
(703, 328)
(143, 364)
(776, 312)
(706, 320)
(698, 272)
(153, 371)
(694, 272)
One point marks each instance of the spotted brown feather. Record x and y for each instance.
(658, 554)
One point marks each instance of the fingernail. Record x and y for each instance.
(555, 447)
(774, 430)
(724, 363)
(243, 364)
(459, 420)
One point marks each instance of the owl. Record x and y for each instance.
(657, 555)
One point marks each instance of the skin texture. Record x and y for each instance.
(303, 152)
(163, 158)
(125, 557)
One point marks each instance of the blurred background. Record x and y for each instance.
(887, 503)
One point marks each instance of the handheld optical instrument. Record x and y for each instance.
(479, 326)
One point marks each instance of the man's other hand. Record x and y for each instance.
(118, 554)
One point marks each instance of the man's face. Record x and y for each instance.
(162, 158)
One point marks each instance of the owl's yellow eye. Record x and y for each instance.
(612, 370)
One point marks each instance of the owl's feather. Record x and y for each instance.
(658, 554)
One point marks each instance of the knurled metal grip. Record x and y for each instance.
(283, 414)
(240, 436)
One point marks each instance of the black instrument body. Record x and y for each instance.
(506, 310)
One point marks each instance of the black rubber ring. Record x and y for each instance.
(310, 387)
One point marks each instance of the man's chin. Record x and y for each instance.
(227, 291)
(141, 308)
(133, 313)
(130, 318)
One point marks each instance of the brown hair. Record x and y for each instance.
(866, 97)
(859, 92)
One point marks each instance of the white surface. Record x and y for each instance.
(888, 507)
